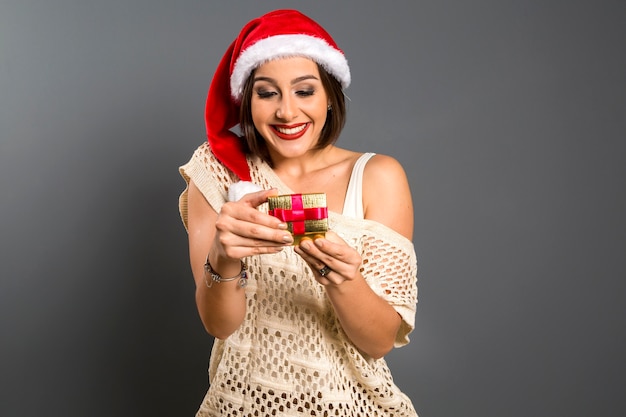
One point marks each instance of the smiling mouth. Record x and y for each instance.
(290, 132)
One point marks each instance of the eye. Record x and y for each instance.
(264, 94)
(305, 93)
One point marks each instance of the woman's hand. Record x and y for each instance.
(241, 230)
(331, 255)
(368, 320)
(237, 231)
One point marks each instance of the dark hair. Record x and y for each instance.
(335, 117)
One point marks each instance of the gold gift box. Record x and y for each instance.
(306, 215)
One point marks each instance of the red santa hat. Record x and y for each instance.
(278, 34)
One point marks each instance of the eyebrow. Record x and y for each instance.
(294, 81)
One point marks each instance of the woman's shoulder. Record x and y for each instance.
(379, 166)
(381, 169)
(386, 194)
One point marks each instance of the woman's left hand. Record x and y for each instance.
(369, 321)
(331, 259)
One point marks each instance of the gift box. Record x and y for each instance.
(306, 215)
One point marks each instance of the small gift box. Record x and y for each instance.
(306, 215)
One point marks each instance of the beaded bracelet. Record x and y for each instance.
(215, 277)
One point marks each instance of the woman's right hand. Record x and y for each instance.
(237, 231)
(242, 230)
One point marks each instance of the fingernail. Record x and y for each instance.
(282, 226)
(305, 244)
(287, 238)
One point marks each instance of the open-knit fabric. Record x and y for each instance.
(290, 356)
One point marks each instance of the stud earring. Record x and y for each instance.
(329, 108)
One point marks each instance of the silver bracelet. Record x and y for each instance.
(242, 276)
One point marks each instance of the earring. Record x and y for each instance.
(329, 108)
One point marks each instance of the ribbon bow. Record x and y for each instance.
(298, 214)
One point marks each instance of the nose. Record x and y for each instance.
(286, 109)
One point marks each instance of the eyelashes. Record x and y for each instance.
(305, 93)
(265, 94)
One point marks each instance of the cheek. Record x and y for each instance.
(257, 119)
(260, 113)
(323, 115)
(320, 110)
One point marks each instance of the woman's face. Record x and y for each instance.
(289, 106)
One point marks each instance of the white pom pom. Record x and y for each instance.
(237, 190)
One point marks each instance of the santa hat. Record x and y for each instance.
(278, 34)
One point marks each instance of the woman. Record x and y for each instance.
(299, 329)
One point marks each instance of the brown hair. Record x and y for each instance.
(335, 117)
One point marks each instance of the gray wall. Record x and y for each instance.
(508, 116)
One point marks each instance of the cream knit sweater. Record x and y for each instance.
(290, 357)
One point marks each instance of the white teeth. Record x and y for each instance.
(291, 130)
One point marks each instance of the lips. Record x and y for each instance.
(290, 132)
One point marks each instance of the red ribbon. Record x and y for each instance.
(298, 214)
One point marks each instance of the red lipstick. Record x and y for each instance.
(290, 132)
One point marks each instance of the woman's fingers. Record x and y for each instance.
(332, 252)
(249, 223)
(243, 230)
(257, 198)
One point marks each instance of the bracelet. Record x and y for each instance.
(242, 276)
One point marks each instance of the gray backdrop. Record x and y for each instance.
(509, 117)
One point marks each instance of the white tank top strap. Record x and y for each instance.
(353, 204)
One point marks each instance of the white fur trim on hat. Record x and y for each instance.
(237, 190)
(283, 46)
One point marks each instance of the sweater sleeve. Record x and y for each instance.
(209, 175)
(391, 271)
(389, 266)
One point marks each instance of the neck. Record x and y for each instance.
(311, 162)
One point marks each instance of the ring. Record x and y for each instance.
(325, 270)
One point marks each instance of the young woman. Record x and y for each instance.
(299, 329)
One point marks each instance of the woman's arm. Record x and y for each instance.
(239, 230)
(370, 322)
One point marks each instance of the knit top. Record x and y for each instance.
(290, 356)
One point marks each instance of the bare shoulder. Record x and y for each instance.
(384, 166)
(387, 195)
(384, 174)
